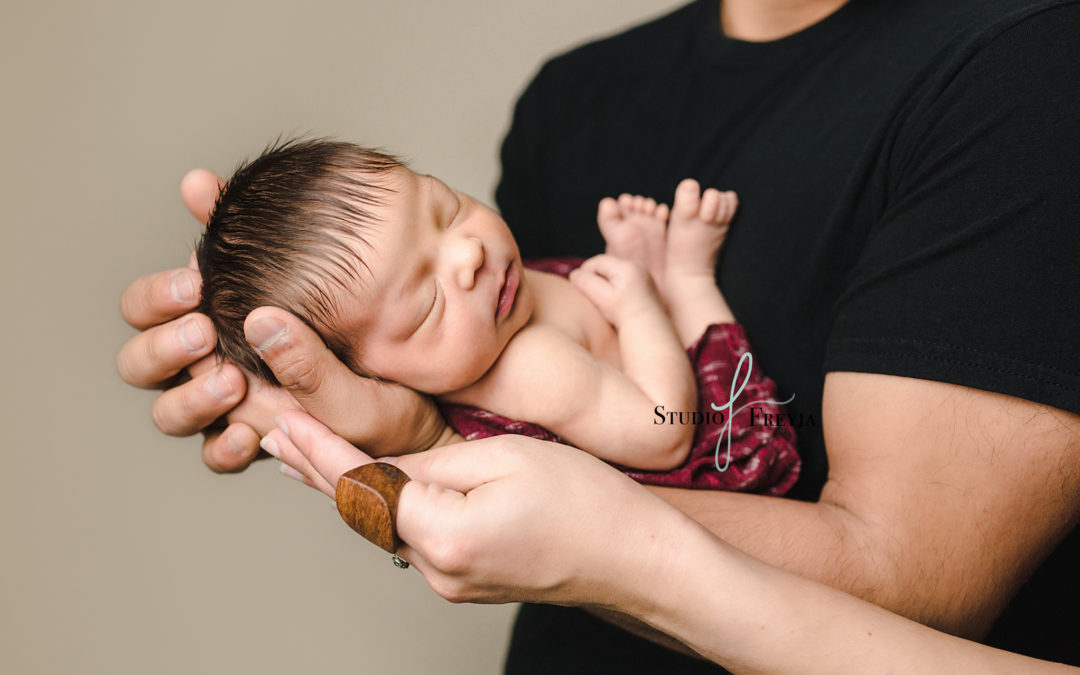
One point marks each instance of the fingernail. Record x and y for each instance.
(265, 333)
(218, 385)
(234, 444)
(287, 470)
(183, 291)
(191, 336)
(281, 425)
(270, 446)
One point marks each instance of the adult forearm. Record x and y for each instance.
(808, 539)
(821, 541)
(826, 542)
(755, 618)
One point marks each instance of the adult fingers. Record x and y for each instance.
(156, 298)
(304, 366)
(158, 353)
(302, 440)
(387, 418)
(278, 444)
(463, 467)
(460, 467)
(187, 408)
(200, 189)
(230, 450)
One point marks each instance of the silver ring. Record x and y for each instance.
(400, 562)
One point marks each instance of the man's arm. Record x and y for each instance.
(940, 502)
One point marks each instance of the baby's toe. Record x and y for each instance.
(731, 204)
(713, 203)
(687, 200)
(662, 212)
(607, 211)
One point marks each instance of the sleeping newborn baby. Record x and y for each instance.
(410, 281)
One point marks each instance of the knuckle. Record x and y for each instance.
(125, 307)
(451, 557)
(210, 457)
(510, 453)
(219, 459)
(152, 351)
(301, 372)
(451, 590)
(124, 369)
(133, 299)
(160, 415)
(189, 410)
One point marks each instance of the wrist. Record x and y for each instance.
(645, 310)
(653, 579)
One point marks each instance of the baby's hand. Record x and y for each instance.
(620, 289)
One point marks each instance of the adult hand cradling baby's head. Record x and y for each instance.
(176, 339)
(385, 418)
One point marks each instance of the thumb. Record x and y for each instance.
(302, 363)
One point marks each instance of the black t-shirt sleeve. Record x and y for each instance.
(971, 274)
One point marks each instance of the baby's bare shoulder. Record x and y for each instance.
(561, 306)
(538, 362)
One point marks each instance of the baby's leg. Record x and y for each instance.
(698, 226)
(634, 229)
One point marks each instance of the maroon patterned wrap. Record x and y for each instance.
(763, 457)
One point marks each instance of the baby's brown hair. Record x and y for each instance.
(283, 233)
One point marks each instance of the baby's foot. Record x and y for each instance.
(634, 229)
(698, 226)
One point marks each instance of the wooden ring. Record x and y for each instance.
(367, 499)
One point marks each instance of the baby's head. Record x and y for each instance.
(405, 279)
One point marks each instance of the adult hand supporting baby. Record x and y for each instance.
(174, 339)
(510, 518)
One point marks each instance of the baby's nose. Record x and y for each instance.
(468, 259)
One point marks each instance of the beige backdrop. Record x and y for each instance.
(121, 552)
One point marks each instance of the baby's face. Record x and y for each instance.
(447, 289)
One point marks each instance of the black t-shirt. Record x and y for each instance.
(909, 183)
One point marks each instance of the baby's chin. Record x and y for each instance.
(466, 373)
(462, 375)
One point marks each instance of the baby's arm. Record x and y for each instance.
(655, 368)
(546, 378)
